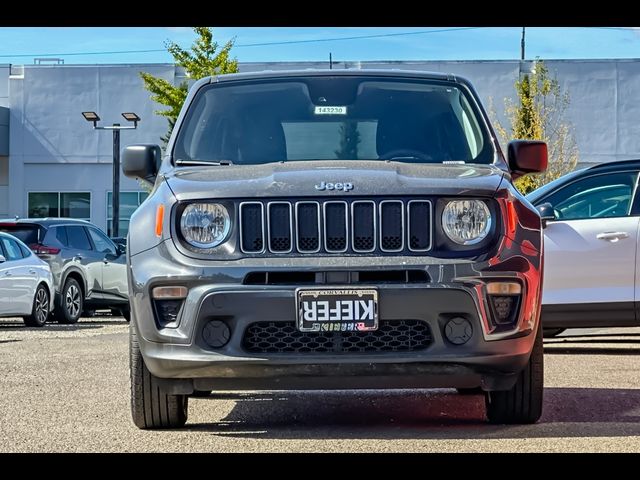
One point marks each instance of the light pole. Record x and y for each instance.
(116, 127)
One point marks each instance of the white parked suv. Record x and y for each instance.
(591, 236)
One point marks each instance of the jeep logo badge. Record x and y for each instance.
(345, 186)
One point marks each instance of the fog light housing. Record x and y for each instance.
(167, 312)
(504, 301)
(167, 301)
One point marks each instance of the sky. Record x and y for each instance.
(83, 45)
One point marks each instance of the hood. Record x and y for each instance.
(301, 178)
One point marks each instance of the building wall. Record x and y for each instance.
(4, 140)
(4, 185)
(52, 148)
(4, 85)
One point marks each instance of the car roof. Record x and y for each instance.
(352, 72)
(617, 165)
(607, 167)
(45, 222)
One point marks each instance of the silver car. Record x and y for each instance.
(89, 270)
(26, 283)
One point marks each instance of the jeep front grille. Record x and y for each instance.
(336, 226)
(284, 337)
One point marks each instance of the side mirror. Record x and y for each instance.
(2, 259)
(546, 213)
(122, 249)
(526, 156)
(142, 161)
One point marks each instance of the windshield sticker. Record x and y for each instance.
(330, 110)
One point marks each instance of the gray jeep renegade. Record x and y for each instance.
(334, 230)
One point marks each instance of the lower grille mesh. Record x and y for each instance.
(284, 337)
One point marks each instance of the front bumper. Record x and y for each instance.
(181, 356)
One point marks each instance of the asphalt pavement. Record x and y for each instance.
(66, 389)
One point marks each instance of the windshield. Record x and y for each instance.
(333, 118)
(540, 192)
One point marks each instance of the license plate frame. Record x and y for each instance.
(328, 319)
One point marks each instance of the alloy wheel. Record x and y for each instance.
(42, 306)
(72, 301)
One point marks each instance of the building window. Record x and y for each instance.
(60, 204)
(129, 202)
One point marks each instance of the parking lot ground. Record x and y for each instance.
(66, 389)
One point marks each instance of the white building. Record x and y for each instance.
(52, 163)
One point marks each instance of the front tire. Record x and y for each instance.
(523, 403)
(72, 302)
(150, 406)
(40, 311)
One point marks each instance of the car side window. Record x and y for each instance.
(101, 242)
(55, 237)
(26, 253)
(11, 249)
(78, 238)
(599, 196)
(61, 236)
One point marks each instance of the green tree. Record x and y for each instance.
(349, 140)
(202, 60)
(539, 115)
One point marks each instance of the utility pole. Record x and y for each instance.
(115, 196)
(522, 45)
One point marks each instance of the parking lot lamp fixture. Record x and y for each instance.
(116, 127)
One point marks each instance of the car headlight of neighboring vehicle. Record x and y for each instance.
(466, 222)
(205, 225)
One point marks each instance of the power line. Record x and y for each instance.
(284, 42)
(359, 37)
(287, 42)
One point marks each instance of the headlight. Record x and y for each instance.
(205, 225)
(466, 222)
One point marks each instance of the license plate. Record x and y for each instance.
(337, 310)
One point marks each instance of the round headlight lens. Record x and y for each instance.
(466, 222)
(205, 225)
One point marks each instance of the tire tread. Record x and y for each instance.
(150, 406)
(523, 403)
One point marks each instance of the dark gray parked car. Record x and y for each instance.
(334, 229)
(89, 270)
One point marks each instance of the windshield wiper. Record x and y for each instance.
(202, 163)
